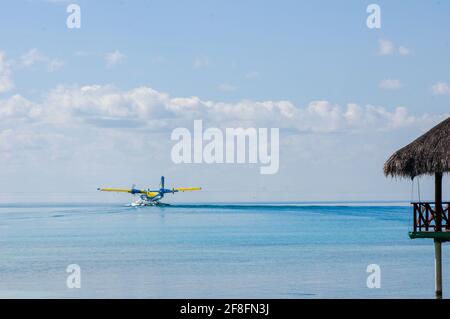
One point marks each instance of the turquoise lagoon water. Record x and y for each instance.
(213, 251)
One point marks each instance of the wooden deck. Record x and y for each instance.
(442, 236)
(430, 222)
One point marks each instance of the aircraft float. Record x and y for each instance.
(148, 197)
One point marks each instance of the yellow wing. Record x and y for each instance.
(187, 189)
(117, 190)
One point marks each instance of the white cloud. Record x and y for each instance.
(113, 58)
(18, 108)
(99, 129)
(145, 108)
(13, 140)
(34, 56)
(55, 64)
(200, 63)
(6, 82)
(226, 87)
(387, 47)
(324, 117)
(390, 84)
(441, 88)
(404, 50)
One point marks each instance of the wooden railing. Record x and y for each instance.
(425, 217)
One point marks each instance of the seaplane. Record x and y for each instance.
(148, 197)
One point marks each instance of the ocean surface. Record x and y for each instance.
(214, 251)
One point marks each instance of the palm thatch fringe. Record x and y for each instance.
(428, 154)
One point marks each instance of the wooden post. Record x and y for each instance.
(438, 268)
(438, 201)
(437, 243)
(415, 217)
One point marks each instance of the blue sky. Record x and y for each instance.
(228, 52)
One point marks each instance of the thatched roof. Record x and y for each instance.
(427, 155)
